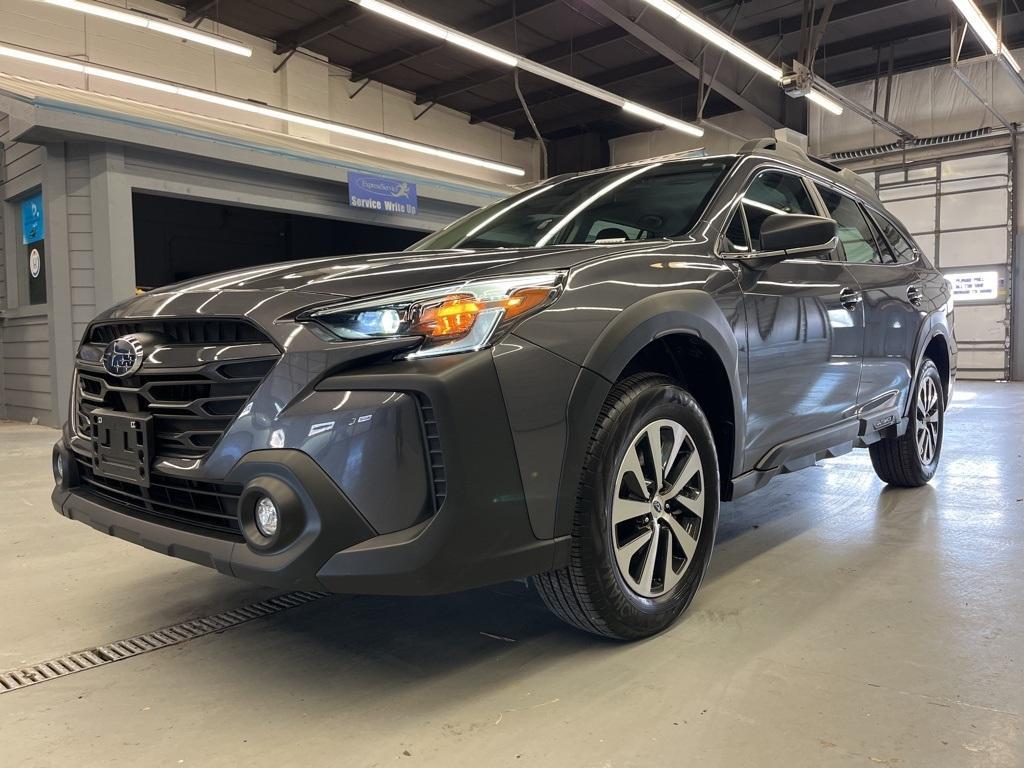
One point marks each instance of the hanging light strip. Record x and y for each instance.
(427, 26)
(735, 48)
(979, 24)
(196, 94)
(142, 21)
(824, 102)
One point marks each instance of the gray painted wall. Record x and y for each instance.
(25, 352)
(81, 258)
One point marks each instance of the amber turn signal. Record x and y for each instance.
(454, 315)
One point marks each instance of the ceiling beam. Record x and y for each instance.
(735, 81)
(789, 25)
(665, 99)
(303, 36)
(548, 55)
(198, 9)
(413, 50)
(932, 57)
(935, 26)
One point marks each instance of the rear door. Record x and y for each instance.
(897, 299)
(805, 326)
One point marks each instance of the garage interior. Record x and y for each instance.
(841, 621)
(177, 240)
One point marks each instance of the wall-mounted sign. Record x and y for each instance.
(975, 286)
(33, 269)
(384, 195)
(33, 226)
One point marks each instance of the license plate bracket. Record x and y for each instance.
(122, 445)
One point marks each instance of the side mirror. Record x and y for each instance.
(784, 235)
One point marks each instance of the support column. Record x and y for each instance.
(112, 227)
(58, 280)
(1017, 263)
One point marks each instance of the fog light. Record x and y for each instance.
(266, 517)
(58, 469)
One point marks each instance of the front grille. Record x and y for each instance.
(192, 330)
(190, 410)
(204, 507)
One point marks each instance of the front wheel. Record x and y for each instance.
(646, 514)
(910, 461)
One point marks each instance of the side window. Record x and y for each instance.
(880, 242)
(774, 192)
(902, 250)
(854, 232)
(734, 239)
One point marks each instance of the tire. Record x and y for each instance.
(906, 461)
(639, 597)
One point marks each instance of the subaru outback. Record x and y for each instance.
(562, 386)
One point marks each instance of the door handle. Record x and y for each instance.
(850, 298)
(915, 295)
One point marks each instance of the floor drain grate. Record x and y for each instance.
(16, 679)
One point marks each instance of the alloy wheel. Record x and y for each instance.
(928, 403)
(657, 508)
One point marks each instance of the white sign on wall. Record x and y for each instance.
(975, 286)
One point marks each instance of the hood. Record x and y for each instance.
(274, 291)
(365, 275)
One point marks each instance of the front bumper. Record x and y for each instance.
(478, 533)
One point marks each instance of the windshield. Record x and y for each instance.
(641, 203)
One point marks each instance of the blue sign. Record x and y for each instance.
(33, 228)
(383, 195)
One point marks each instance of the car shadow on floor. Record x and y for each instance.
(355, 644)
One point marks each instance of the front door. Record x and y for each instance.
(805, 327)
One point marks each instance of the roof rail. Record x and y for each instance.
(793, 152)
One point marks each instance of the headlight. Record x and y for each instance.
(452, 318)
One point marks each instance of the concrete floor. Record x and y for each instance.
(842, 623)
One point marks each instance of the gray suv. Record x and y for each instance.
(562, 386)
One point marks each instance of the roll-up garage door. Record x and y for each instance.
(959, 211)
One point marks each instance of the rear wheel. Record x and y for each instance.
(645, 517)
(910, 461)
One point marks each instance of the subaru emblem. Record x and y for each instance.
(123, 356)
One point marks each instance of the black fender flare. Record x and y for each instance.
(934, 325)
(687, 312)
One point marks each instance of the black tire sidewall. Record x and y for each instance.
(928, 371)
(658, 399)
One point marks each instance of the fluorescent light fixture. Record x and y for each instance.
(422, 24)
(716, 37)
(658, 117)
(229, 102)
(483, 49)
(156, 25)
(735, 48)
(505, 57)
(824, 102)
(977, 22)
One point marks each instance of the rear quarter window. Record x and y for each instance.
(903, 251)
